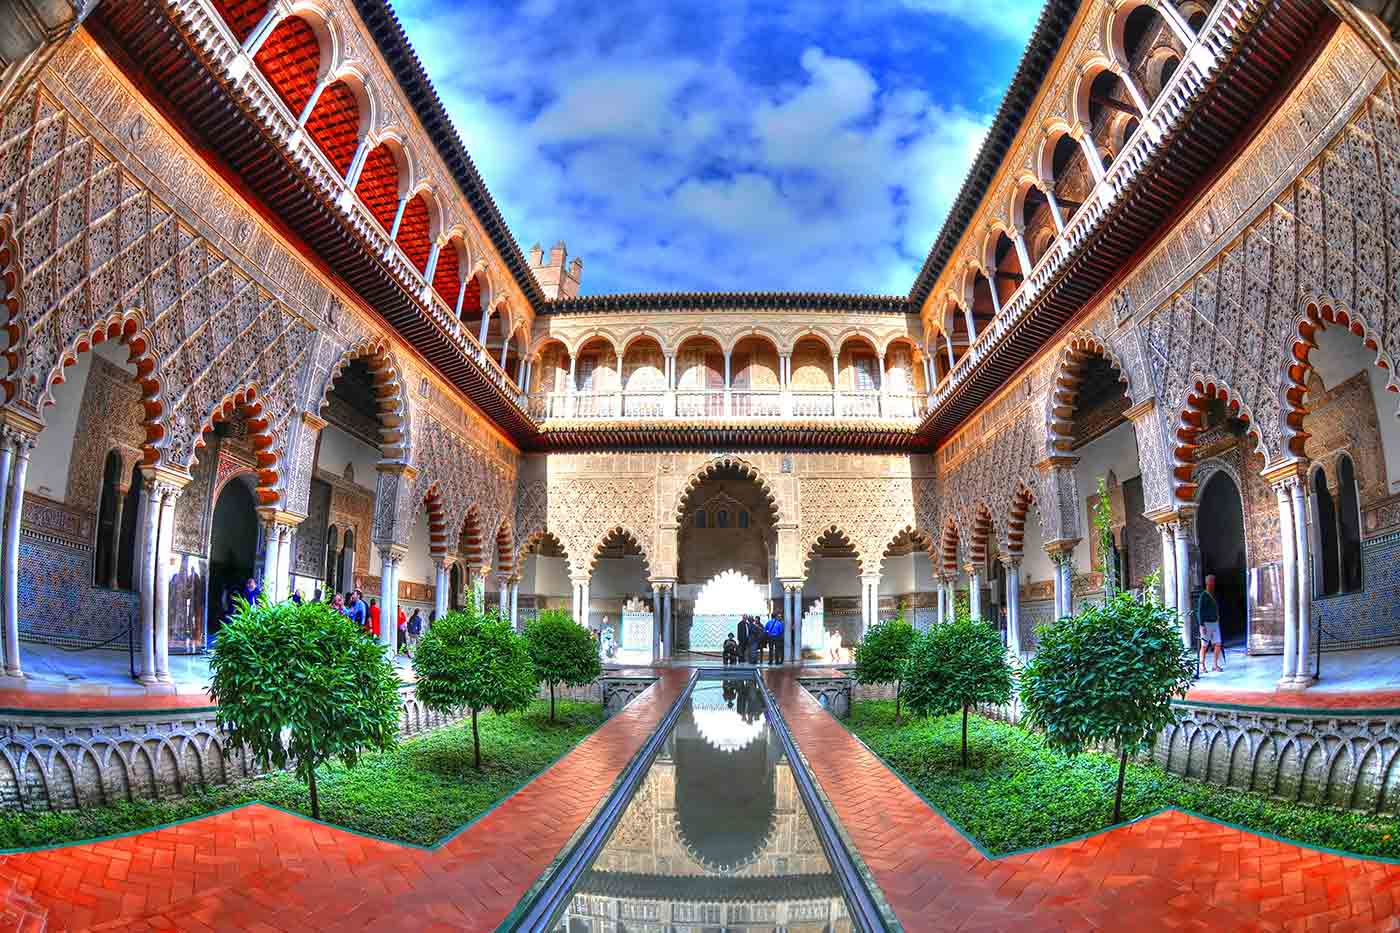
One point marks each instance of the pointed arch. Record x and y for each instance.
(979, 542)
(244, 401)
(834, 534)
(531, 545)
(1191, 421)
(1064, 392)
(616, 532)
(503, 547)
(948, 547)
(1022, 500)
(1316, 316)
(392, 398)
(471, 539)
(746, 469)
(909, 534)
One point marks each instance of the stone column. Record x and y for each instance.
(271, 540)
(441, 568)
(1289, 541)
(581, 600)
(657, 638)
(1057, 558)
(503, 581)
(1013, 606)
(147, 539)
(1167, 534)
(797, 621)
(1183, 575)
(870, 602)
(478, 580)
(284, 560)
(121, 489)
(974, 591)
(1299, 493)
(669, 620)
(939, 592)
(21, 442)
(168, 493)
(515, 603)
(390, 556)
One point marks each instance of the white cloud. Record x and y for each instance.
(670, 162)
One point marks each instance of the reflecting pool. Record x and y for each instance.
(716, 836)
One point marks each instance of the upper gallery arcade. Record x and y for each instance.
(265, 320)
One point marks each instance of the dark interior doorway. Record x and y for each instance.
(1220, 530)
(233, 547)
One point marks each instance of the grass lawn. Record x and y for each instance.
(1019, 794)
(418, 792)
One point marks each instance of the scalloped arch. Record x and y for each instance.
(389, 391)
(1069, 376)
(782, 514)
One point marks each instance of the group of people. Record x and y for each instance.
(409, 626)
(753, 637)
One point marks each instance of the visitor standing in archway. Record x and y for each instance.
(1208, 620)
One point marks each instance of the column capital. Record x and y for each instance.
(164, 481)
(409, 473)
(1010, 561)
(1056, 462)
(1287, 473)
(392, 553)
(1062, 548)
(17, 426)
(444, 562)
(283, 519)
(1171, 517)
(312, 420)
(1142, 409)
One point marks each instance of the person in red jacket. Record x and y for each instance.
(374, 617)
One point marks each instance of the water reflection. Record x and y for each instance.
(716, 836)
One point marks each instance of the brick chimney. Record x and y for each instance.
(557, 276)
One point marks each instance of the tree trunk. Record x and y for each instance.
(315, 799)
(964, 748)
(1118, 794)
(476, 743)
(551, 701)
(897, 685)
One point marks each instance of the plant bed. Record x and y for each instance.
(1017, 793)
(418, 792)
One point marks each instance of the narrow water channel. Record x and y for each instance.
(716, 837)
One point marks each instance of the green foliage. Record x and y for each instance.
(471, 661)
(956, 666)
(1022, 794)
(301, 684)
(1103, 528)
(419, 791)
(562, 651)
(881, 655)
(1107, 676)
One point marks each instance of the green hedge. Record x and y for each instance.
(418, 792)
(1019, 794)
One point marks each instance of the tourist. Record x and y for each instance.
(358, 611)
(758, 639)
(731, 651)
(833, 645)
(774, 631)
(401, 640)
(415, 629)
(374, 617)
(1208, 618)
(251, 591)
(743, 639)
(338, 604)
(296, 597)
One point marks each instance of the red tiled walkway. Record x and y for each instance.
(256, 868)
(1172, 871)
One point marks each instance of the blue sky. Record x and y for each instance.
(734, 146)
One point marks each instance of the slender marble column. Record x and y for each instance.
(797, 622)
(515, 603)
(657, 636)
(1013, 607)
(22, 444)
(1288, 538)
(284, 561)
(974, 591)
(149, 530)
(670, 623)
(270, 558)
(165, 541)
(504, 595)
(116, 546)
(1183, 577)
(389, 598)
(1303, 553)
(440, 586)
(1167, 535)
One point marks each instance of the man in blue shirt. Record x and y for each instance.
(359, 612)
(774, 630)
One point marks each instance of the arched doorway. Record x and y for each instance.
(832, 623)
(233, 550)
(1220, 533)
(726, 528)
(117, 510)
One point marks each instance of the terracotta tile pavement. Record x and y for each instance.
(257, 868)
(1170, 872)
(260, 869)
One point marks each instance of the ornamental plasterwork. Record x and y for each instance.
(582, 511)
(870, 513)
(225, 305)
(1327, 239)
